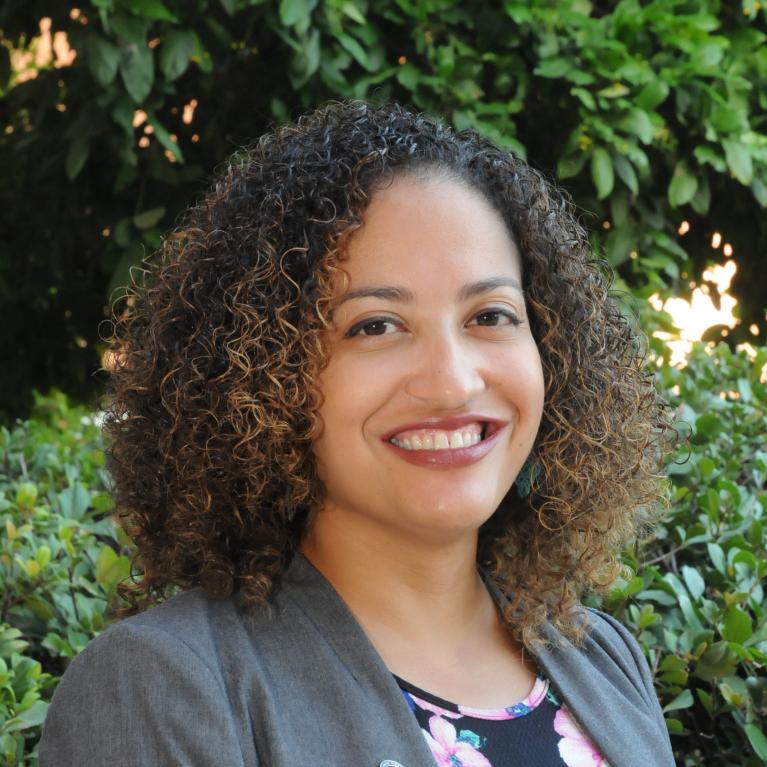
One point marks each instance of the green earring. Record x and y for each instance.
(529, 472)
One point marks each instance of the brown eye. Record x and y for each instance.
(496, 317)
(375, 327)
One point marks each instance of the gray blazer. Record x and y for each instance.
(193, 682)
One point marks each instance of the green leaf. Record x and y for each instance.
(571, 165)
(639, 124)
(694, 581)
(706, 467)
(759, 190)
(553, 68)
(675, 727)
(43, 556)
(40, 607)
(409, 76)
(706, 700)
(103, 58)
(602, 172)
(11, 642)
(685, 604)
(619, 243)
(77, 155)
(131, 29)
(354, 13)
(176, 52)
(726, 118)
(683, 700)
(682, 187)
(708, 425)
(111, 568)
(34, 716)
(734, 690)
(739, 160)
(151, 9)
(716, 554)
(356, 50)
(614, 91)
(312, 55)
(757, 740)
(148, 218)
(708, 155)
(137, 70)
(295, 11)
(717, 661)
(652, 94)
(626, 173)
(74, 501)
(26, 495)
(585, 98)
(702, 200)
(737, 625)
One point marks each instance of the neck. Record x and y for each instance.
(399, 583)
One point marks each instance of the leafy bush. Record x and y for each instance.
(60, 560)
(696, 604)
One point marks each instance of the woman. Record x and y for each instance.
(377, 419)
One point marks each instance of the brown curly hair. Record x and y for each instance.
(214, 402)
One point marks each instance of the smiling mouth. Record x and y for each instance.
(468, 435)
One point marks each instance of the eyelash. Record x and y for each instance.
(357, 329)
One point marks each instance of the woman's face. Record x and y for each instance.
(434, 389)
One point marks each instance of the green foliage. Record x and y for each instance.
(60, 560)
(697, 602)
(650, 113)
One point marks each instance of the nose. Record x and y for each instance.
(445, 374)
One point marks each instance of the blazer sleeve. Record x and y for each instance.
(137, 696)
(615, 633)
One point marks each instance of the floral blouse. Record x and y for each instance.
(537, 732)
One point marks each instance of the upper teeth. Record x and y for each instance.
(436, 439)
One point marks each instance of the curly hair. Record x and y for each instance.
(214, 402)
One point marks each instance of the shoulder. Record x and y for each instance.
(181, 628)
(617, 643)
(609, 659)
(147, 674)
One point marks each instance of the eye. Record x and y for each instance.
(496, 318)
(377, 326)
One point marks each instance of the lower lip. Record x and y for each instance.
(450, 458)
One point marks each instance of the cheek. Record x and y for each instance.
(350, 395)
(520, 376)
(354, 386)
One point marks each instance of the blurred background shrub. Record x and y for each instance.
(61, 557)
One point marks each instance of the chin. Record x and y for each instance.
(451, 514)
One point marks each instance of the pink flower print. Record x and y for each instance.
(438, 710)
(575, 748)
(450, 750)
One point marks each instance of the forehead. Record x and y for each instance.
(434, 229)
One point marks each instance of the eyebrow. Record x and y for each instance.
(403, 295)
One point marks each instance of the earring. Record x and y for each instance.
(528, 474)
